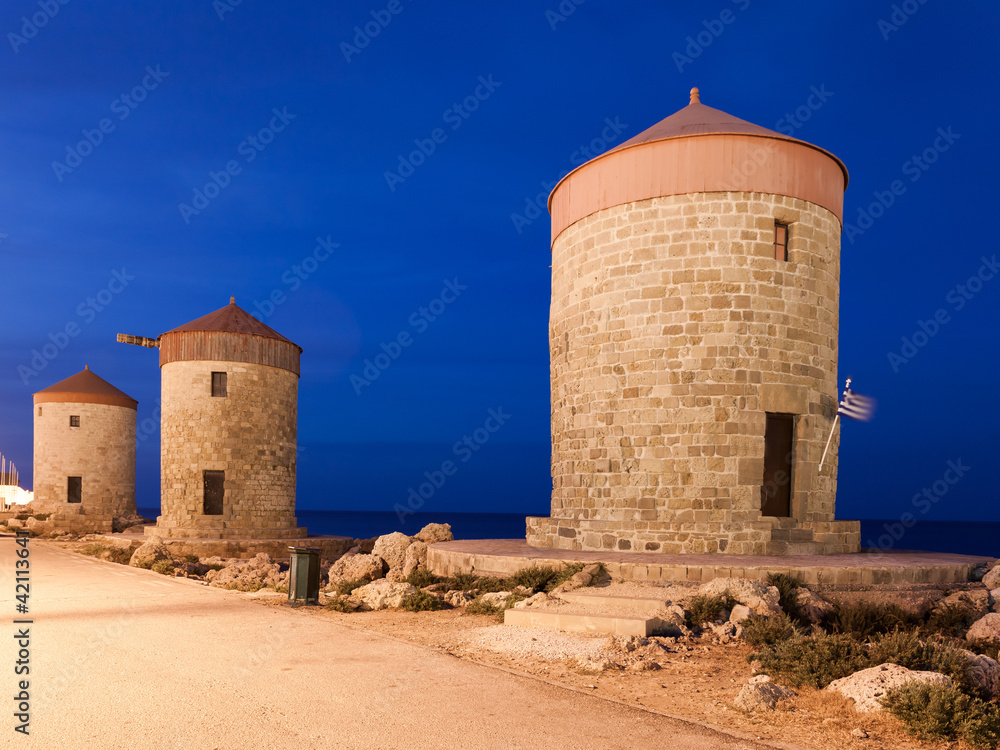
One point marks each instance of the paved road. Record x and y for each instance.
(126, 658)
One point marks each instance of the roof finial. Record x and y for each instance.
(695, 96)
(86, 367)
(232, 300)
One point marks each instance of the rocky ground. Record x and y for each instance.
(699, 672)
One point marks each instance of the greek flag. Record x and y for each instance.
(856, 406)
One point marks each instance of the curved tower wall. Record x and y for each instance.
(674, 332)
(101, 451)
(250, 434)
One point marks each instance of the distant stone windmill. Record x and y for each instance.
(10, 491)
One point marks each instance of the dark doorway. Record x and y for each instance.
(776, 492)
(215, 483)
(74, 489)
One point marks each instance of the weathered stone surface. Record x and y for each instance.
(976, 601)
(983, 671)
(814, 607)
(497, 598)
(392, 549)
(458, 598)
(249, 575)
(536, 599)
(986, 627)
(415, 558)
(868, 686)
(740, 613)
(759, 597)
(435, 532)
(14, 523)
(671, 621)
(149, 554)
(992, 578)
(357, 567)
(995, 598)
(384, 594)
(760, 694)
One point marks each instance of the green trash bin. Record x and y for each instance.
(303, 576)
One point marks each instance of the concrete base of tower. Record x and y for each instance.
(767, 536)
(212, 528)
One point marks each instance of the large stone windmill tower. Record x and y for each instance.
(693, 341)
(229, 405)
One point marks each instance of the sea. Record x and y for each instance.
(960, 537)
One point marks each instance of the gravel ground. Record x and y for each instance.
(539, 643)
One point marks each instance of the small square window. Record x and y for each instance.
(39, 411)
(780, 241)
(74, 421)
(219, 389)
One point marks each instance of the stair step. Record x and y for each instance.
(582, 623)
(640, 604)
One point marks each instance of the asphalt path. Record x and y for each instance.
(128, 658)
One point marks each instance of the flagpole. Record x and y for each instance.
(836, 419)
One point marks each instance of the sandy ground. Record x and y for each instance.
(125, 658)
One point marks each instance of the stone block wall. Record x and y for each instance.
(101, 451)
(250, 435)
(673, 331)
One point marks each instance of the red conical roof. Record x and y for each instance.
(699, 119)
(231, 319)
(84, 388)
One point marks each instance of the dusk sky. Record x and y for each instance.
(355, 171)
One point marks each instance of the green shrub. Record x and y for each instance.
(703, 608)
(562, 575)
(943, 712)
(342, 604)
(346, 587)
(950, 619)
(812, 660)
(534, 578)
(788, 589)
(421, 602)
(907, 650)
(492, 585)
(192, 558)
(462, 582)
(22, 516)
(421, 578)
(479, 606)
(215, 566)
(983, 646)
(120, 555)
(163, 567)
(41, 516)
(760, 630)
(865, 619)
(93, 549)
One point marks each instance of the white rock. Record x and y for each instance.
(435, 532)
(415, 558)
(149, 553)
(983, 671)
(357, 567)
(866, 687)
(760, 694)
(759, 597)
(992, 578)
(497, 598)
(383, 594)
(458, 598)
(986, 627)
(740, 613)
(392, 549)
(995, 599)
(814, 607)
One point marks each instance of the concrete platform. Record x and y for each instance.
(333, 546)
(507, 556)
(582, 623)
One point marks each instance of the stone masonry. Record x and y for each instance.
(673, 331)
(250, 435)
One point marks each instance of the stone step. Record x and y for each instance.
(641, 604)
(790, 548)
(792, 535)
(582, 623)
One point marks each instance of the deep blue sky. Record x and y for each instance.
(554, 90)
